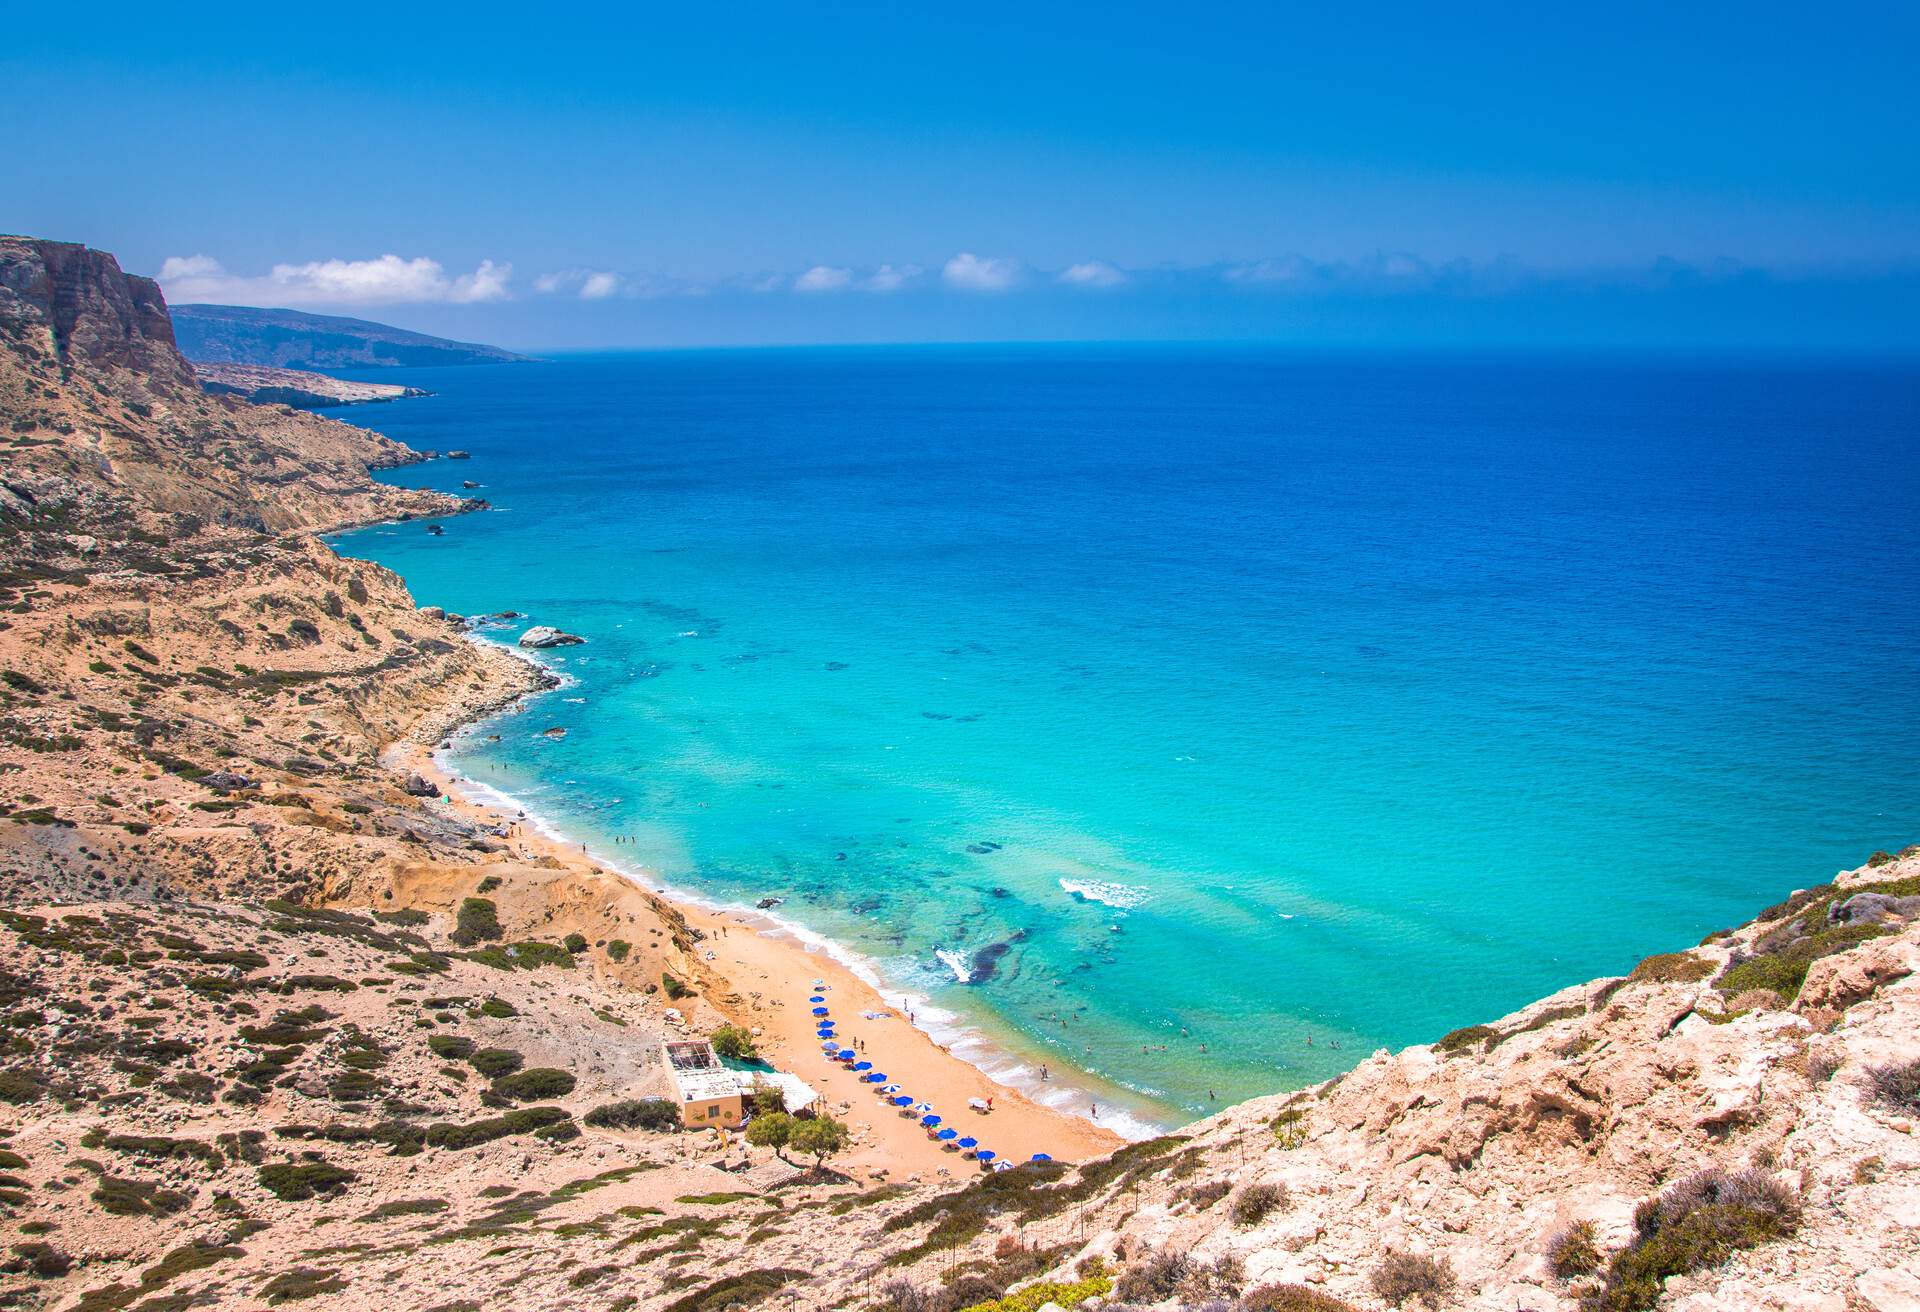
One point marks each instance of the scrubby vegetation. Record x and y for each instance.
(734, 1042)
(1699, 1222)
(496, 1062)
(1896, 1086)
(534, 1083)
(293, 1182)
(1291, 1298)
(635, 1114)
(477, 921)
(743, 1290)
(1402, 1277)
(1256, 1202)
(1575, 1251)
(524, 1120)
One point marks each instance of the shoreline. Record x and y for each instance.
(770, 969)
(951, 1033)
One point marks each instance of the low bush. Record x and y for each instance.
(1291, 1298)
(1699, 1222)
(743, 1290)
(1155, 1278)
(302, 1282)
(1256, 1202)
(1034, 1297)
(452, 1046)
(477, 921)
(524, 1120)
(635, 1114)
(294, 1182)
(495, 1062)
(733, 1042)
(1403, 1277)
(675, 988)
(534, 1083)
(123, 1197)
(1896, 1086)
(574, 943)
(1575, 1251)
(1463, 1040)
(1203, 1196)
(617, 949)
(1671, 968)
(498, 1009)
(1784, 957)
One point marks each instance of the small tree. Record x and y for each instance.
(732, 1042)
(772, 1130)
(819, 1138)
(767, 1098)
(575, 943)
(676, 988)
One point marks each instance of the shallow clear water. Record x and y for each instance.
(1252, 699)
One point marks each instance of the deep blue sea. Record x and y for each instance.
(1267, 702)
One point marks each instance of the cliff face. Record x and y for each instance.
(235, 334)
(97, 317)
(110, 437)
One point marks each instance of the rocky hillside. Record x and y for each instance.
(278, 1026)
(238, 334)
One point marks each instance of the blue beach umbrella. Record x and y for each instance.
(929, 1120)
(986, 1154)
(904, 1100)
(947, 1134)
(819, 1011)
(874, 1077)
(863, 1065)
(1040, 1157)
(816, 998)
(845, 1054)
(969, 1142)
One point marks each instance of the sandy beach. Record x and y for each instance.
(761, 976)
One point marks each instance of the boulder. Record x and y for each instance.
(417, 786)
(226, 781)
(432, 613)
(545, 635)
(1871, 908)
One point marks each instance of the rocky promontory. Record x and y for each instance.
(301, 388)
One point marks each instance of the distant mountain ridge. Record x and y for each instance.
(238, 334)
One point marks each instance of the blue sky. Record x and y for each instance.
(1719, 175)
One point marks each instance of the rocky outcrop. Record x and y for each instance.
(300, 388)
(545, 635)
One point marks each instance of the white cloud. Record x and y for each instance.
(1290, 268)
(599, 286)
(388, 280)
(1092, 273)
(977, 274)
(821, 278)
(892, 277)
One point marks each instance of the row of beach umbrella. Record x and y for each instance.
(830, 1044)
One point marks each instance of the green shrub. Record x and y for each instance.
(819, 1138)
(635, 1114)
(617, 949)
(733, 1042)
(123, 1197)
(1256, 1202)
(674, 987)
(404, 1207)
(574, 943)
(1898, 1086)
(1671, 968)
(1460, 1040)
(524, 1120)
(1575, 1251)
(535, 1083)
(488, 884)
(743, 1290)
(20, 1086)
(1402, 1277)
(559, 1132)
(495, 1062)
(1291, 1298)
(1699, 1222)
(302, 1282)
(294, 1182)
(452, 1046)
(1786, 955)
(498, 1009)
(477, 921)
(1059, 1293)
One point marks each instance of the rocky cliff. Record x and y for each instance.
(274, 1028)
(300, 388)
(237, 334)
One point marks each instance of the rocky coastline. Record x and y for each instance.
(283, 1024)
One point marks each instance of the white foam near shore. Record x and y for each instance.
(946, 1028)
(957, 963)
(1123, 896)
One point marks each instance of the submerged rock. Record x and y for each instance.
(436, 530)
(554, 731)
(545, 635)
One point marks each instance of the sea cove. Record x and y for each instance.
(1217, 716)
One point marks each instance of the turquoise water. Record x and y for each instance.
(1235, 699)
